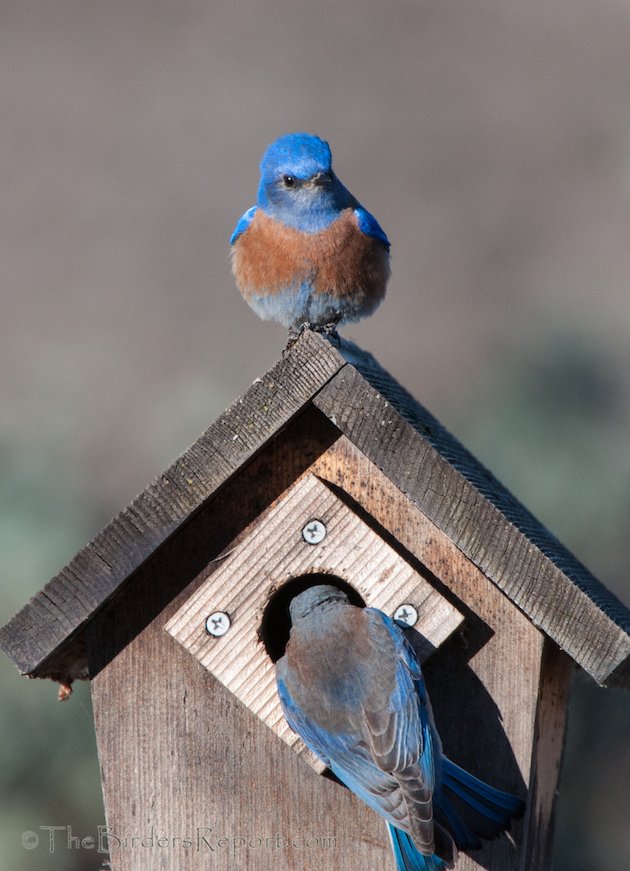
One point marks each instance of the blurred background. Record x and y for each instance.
(491, 139)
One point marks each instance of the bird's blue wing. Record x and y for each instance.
(370, 226)
(349, 761)
(243, 223)
(399, 735)
(314, 738)
(402, 735)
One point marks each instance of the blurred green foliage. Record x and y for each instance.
(552, 422)
(49, 774)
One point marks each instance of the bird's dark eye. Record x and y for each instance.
(289, 181)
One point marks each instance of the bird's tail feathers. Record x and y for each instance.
(481, 810)
(407, 855)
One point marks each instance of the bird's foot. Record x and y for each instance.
(329, 330)
(295, 333)
(292, 337)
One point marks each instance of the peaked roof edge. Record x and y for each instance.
(488, 524)
(447, 483)
(59, 611)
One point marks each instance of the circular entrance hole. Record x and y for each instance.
(276, 622)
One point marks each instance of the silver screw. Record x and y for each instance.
(406, 614)
(314, 532)
(217, 624)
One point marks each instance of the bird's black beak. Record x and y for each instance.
(321, 179)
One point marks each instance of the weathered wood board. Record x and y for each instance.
(185, 755)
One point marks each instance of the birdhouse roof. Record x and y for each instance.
(437, 474)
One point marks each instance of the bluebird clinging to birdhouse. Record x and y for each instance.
(351, 686)
(308, 254)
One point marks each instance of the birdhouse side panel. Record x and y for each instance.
(556, 671)
(484, 684)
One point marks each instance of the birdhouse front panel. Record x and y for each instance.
(199, 739)
(309, 531)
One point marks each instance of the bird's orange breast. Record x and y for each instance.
(270, 257)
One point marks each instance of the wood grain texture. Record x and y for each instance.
(401, 437)
(483, 681)
(43, 628)
(481, 517)
(271, 552)
(179, 752)
(182, 758)
(549, 734)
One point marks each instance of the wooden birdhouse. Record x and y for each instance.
(177, 612)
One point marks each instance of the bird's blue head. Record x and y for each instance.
(298, 185)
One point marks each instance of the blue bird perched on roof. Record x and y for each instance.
(351, 686)
(308, 254)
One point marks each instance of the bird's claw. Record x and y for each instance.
(329, 330)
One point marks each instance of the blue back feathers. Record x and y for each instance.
(352, 687)
(370, 226)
